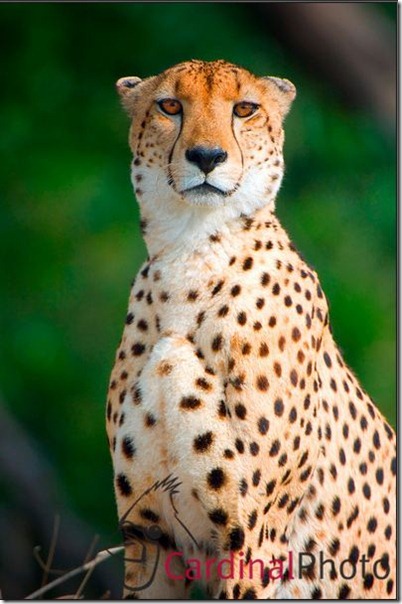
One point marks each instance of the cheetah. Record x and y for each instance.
(238, 435)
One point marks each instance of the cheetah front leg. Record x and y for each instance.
(209, 517)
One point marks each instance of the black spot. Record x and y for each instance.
(242, 318)
(250, 594)
(371, 410)
(137, 349)
(236, 539)
(148, 514)
(239, 445)
(265, 577)
(344, 592)
(263, 425)
(142, 325)
(256, 478)
(319, 513)
(129, 318)
(166, 542)
(270, 487)
(276, 445)
(223, 311)
(218, 516)
(127, 446)
(262, 383)
(368, 581)
(376, 440)
(336, 505)
(150, 420)
(327, 359)
(248, 263)
(372, 525)
(293, 415)
(385, 561)
(217, 288)
(145, 272)
(388, 430)
(252, 520)
(366, 491)
(190, 402)
(278, 407)
(316, 594)
(216, 478)
(265, 279)
(203, 442)
(222, 411)
(363, 468)
(303, 459)
(283, 501)
(240, 411)
(334, 546)
(254, 448)
(200, 318)
(217, 343)
(243, 487)
(123, 485)
(352, 517)
(282, 460)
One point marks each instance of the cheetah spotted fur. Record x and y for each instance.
(227, 378)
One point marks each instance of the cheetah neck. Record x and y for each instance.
(173, 228)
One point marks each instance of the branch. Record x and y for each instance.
(87, 567)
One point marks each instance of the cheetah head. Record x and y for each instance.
(206, 134)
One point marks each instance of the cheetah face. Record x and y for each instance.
(206, 134)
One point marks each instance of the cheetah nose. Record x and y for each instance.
(206, 158)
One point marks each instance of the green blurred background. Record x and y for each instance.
(70, 241)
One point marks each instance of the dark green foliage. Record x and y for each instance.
(70, 239)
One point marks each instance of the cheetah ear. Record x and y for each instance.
(125, 88)
(125, 85)
(283, 91)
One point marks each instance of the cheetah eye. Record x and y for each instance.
(245, 109)
(170, 106)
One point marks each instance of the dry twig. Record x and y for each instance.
(88, 566)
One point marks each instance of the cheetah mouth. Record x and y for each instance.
(204, 188)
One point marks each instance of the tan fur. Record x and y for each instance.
(227, 376)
